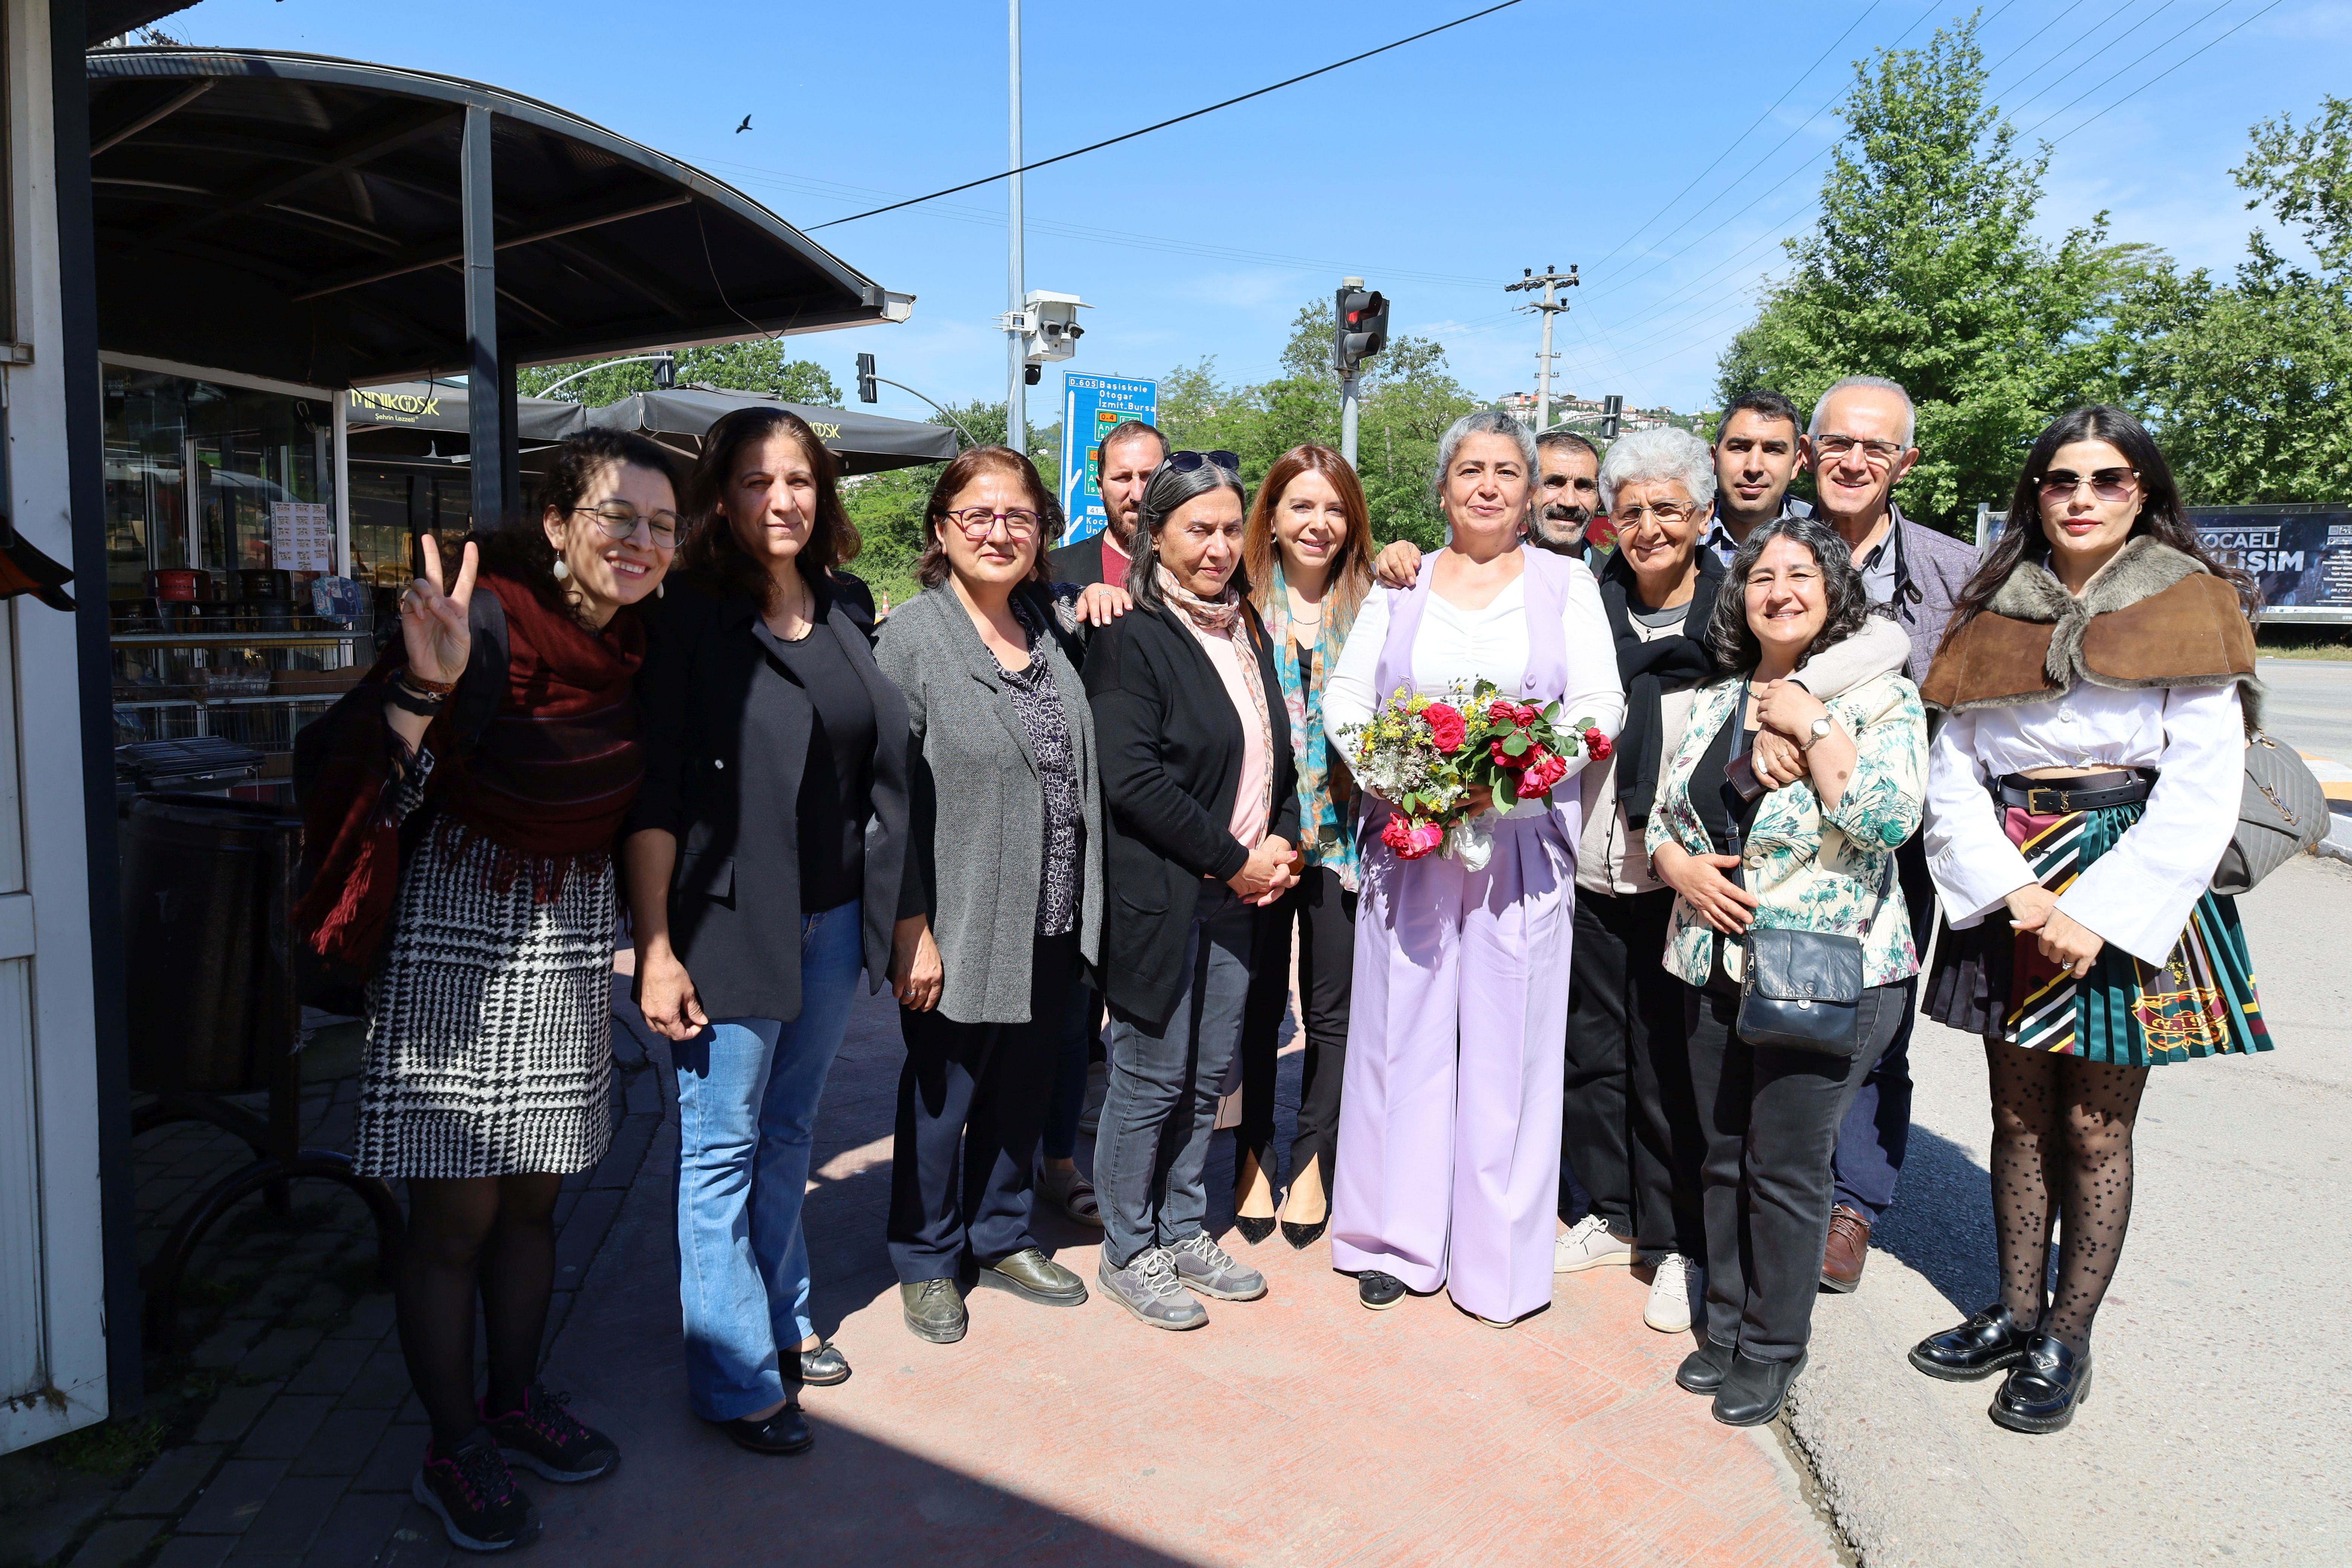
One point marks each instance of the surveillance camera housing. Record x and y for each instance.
(1050, 329)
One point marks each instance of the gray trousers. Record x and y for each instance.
(1153, 1141)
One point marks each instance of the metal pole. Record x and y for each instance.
(1348, 385)
(1543, 361)
(485, 386)
(1017, 411)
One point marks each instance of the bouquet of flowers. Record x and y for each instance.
(1425, 756)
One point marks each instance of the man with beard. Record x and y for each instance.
(1567, 495)
(1757, 454)
(1124, 461)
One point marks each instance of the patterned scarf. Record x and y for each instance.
(1323, 823)
(1221, 617)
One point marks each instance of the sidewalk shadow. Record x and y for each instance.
(1941, 1224)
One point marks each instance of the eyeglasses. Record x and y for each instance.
(978, 522)
(1877, 454)
(1185, 462)
(619, 520)
(2108, 484)
(1666, 514)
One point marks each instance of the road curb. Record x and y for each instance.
(1903, 1492)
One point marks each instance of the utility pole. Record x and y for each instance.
(1552, 281)
(1360, 329)
(1017, 413)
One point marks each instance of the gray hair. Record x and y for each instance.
(1877, 384)
(1484, 422)
(1647, 457)
(1169, 488)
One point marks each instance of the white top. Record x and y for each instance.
(1456, 647)
(2138, 894)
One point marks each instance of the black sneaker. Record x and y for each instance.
(549, 1439)
(474, 1493)
(1378, 1291)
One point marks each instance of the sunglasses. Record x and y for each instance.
(2108, 484)
(1185, 462)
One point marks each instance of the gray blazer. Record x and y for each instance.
(976, 844)
(1937, 566)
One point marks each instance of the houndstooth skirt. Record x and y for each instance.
(491, 1024)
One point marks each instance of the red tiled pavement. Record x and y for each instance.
(1297, 1429)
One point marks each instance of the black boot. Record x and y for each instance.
(1753, 1390)
(2041, 1393)
(1702, 1371)
(1986, 1342)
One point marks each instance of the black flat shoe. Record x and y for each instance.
(1753, 1390)
(1703, 1369)
(1302, 1237)
(1254, 1228)
(1986, 1342)
(785, 1432)
(2041, 1391)
(1378, 1292)
(824, 1366)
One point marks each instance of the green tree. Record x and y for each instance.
(887, 508)
(1924, 266)
(758, 365)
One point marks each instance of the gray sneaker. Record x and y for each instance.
(1148, 1288)
(1201, 1265)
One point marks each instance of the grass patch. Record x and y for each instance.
(112, 1448)
(2331, 643)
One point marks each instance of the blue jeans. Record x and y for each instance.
(747, 1096)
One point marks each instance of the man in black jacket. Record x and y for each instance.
(1123, 464)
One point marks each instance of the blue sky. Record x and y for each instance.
(1663, 149)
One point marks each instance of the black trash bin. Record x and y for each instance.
(206, 885)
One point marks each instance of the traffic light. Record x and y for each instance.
(1612, 415)
(866, 391)
(1360, 327)
(666, 371)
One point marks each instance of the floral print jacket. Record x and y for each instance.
(1815, 870)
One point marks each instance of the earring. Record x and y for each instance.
(562, 569)
(659, 589)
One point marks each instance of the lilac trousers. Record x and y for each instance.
(1449, 1118)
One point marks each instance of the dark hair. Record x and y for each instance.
(1170, 488)
(1351, 567)
(1764, 403)
(1566, 438)
(932, 569)
(712, 555)
(2160, 512)
(521, 551)
(1733, 641)
(1126, 429)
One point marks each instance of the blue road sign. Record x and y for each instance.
(1091, 405)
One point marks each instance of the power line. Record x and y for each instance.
(2160, 75)
(1129, 136)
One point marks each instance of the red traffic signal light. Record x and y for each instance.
(1360, 329)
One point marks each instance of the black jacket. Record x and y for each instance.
(727, 728)
(1171, 745)
(1079, 564)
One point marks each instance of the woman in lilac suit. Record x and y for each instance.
(1450, 1114)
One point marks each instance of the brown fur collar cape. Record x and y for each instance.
(2153, 617)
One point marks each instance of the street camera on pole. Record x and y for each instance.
(1360, 329)
(1048, 325)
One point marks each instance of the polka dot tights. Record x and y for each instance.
(2062, 1141)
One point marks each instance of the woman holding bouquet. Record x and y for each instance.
(1452, 1105)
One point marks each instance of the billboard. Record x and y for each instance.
(2301, 555)
(1091, 405)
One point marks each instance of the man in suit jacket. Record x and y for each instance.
(1124, 461)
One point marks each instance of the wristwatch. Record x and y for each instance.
(1816, 731)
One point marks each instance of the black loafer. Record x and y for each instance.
(1986, 1342)
(786, 1432)
(824, 1366)
(1378, 1292)
(1034, 1277)
(1703, 1369)
(1753, 1390)
(2041, 1393)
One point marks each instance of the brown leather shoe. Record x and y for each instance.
(1848, 1250)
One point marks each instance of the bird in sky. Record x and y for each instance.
(745, 126)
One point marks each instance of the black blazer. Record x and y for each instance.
(1171, 745)
(727, 728)
(1079, 564)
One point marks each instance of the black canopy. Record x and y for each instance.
(863, 443)
(434, 405)
(302, 218)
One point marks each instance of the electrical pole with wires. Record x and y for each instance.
(1552, 281)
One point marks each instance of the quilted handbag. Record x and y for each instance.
(2282, 814)
(1803, 989)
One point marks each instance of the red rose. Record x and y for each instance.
(1411, 840)
(1445, 726)
(1597, 746)
(1528, 713)
(1546, 770)
(1502, 711)
(1504, 759)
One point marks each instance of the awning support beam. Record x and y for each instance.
(441, 255)
(489, 426)
(164, 110)
(337, 159)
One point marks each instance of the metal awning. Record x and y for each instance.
(863, 443)
(432, 405)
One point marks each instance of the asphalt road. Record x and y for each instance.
(2310, 704)
(2216, 1427)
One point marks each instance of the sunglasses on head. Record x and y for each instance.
(1185, 462)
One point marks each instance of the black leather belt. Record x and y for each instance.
(2058, 797)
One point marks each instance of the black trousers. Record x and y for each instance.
(971, 1107)
(1629, 1124)
(1325, 916)
(1771, 1117)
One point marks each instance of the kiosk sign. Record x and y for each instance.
(1091, 406)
